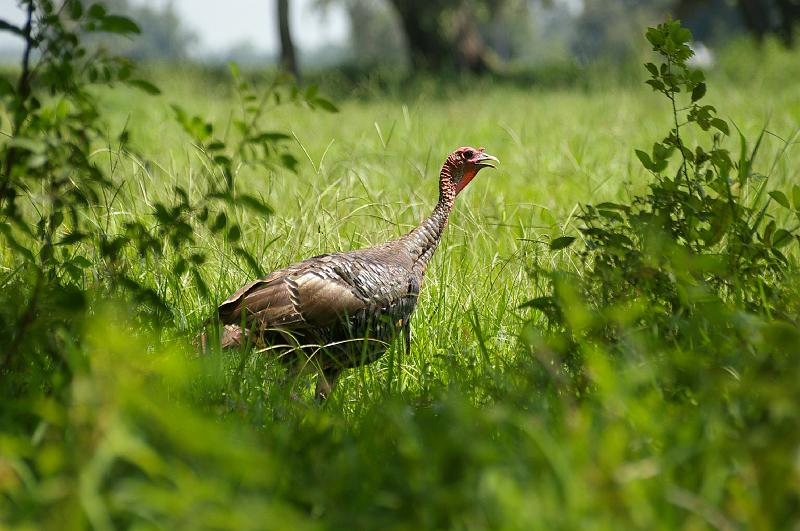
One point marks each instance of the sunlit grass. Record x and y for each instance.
(473, 429)
(370, 173)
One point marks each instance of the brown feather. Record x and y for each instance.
(341, 310)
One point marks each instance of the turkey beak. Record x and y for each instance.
(484, 160)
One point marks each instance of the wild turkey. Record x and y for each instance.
(336, 311)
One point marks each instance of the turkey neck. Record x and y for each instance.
(423, 240)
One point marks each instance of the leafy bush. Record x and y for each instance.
(704, 233)
(52, 192)
(690, 292)
(58, 199)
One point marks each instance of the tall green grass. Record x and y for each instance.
(479, 427)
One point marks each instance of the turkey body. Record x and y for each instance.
(336, 311)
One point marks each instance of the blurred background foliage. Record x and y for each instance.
(453, 35)
(608, 337)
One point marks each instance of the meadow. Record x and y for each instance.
(494, 421)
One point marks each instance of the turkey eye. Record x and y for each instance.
(468, 154)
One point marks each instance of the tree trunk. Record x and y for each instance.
(683, 9)
(428, 49)
(755, 15)
(288, 57)
(790, 14)
(431, 46)
(473, 54)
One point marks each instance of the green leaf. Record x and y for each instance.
(254, 267)
(5, 230)
(56, 219)
(698, 92)
(145, 86)
(219, 222)
(780, 198)
(781, 238)
(97, 11)
(796, 197)
(118, 24)
(254, 203)
(202, 287)
(161, 213)
(82, 262)
(72, 237)
(540, 303)
(325, 105)
(645, 160)
(681, 35)
(75, 9)
(311, 92)
(234, 68)
(235, 233)
(222, 160)
(180, 267)
(661, 152)
(610, 214)
(269, 136)
(6, 87)
(180, 114)
(770, 228)
(612, 206)
(289, 162)
(28, 144)
(655, 36)
(721, 125)
(73, 271)
(561, 243)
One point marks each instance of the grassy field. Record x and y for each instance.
(370, 173)
(477, 428)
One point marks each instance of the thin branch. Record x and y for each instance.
(25, 321)
(24, 86)
(671, 95)
(23, 92)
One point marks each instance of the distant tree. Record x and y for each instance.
(759, 17)
(756, 17)
(610, 28)
(163, 37)
(376, 36)
(771, 16)
(509, 30)
(245, 53)
(709, 20)
(288, 59)
(790, 16)
(437, 35)
(444, 34)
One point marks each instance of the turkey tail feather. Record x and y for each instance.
(233, 336)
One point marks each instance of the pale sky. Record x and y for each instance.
(222, 24)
